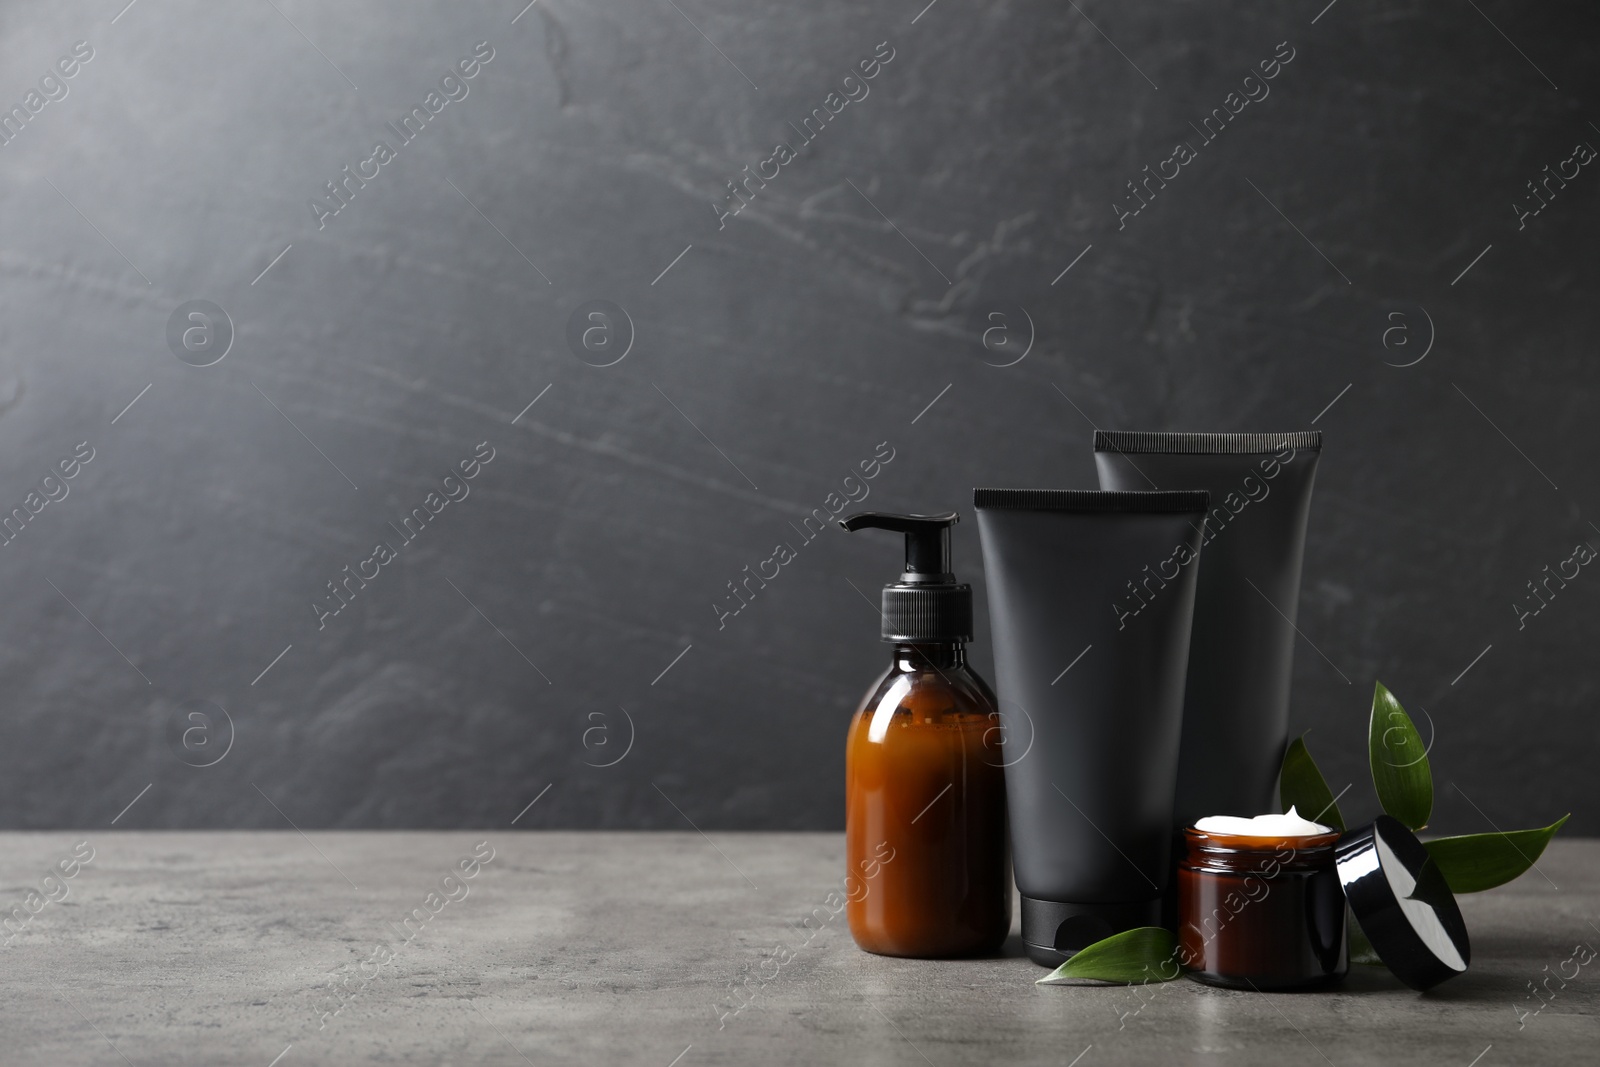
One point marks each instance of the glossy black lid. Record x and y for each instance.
(1400, 898)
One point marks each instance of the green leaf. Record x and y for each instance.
(1302, 787)
(1399, 761)
(1477, 862)
(1144, 954)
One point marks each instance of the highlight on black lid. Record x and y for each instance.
(1206, 444)
(1400, 898)
(1092, 501)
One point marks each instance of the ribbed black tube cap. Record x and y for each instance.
(929, 614)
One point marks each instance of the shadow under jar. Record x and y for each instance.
(1263, 913)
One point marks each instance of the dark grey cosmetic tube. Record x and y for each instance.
(1236, 706)
(1091, 697)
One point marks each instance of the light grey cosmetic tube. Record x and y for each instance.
(1091, 698)
(1236, 705)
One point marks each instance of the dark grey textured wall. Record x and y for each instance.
(493, 657)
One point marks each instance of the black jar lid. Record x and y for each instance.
(1402, 902)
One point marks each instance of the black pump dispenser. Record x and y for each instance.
(927, 605)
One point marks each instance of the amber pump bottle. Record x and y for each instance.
(928, 871)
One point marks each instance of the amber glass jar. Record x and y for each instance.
(928, 871)
(1259, 912)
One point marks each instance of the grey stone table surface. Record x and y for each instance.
(664, 949)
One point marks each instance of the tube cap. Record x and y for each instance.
(1400, 898)
(927, 604)
(1052, 930)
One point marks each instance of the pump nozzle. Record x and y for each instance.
(926, 604)
(927, 541)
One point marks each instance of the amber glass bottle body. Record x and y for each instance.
(1259, 913)
(928, 870)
